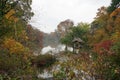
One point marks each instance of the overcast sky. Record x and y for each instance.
(49, 13)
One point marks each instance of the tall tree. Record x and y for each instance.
(64, 27)
(35, 39)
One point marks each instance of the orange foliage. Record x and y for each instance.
(115, 12)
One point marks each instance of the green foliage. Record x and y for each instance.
(116, 47)
(115, 59)
(79, 31)
(114, 4)
(67, 39)
(4, 31)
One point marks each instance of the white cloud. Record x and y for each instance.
(48, 13)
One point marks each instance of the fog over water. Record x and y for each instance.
(55, 50)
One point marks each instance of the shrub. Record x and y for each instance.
(43, 61)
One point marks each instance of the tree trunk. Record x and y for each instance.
(66, 47)
(73, 49)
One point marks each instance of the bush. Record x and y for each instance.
(43, 61)
(15, 66)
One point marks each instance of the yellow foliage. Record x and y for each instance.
(13, 46)
(10, 13)
(99, 35)
(115, 12)
(10, 16)
(116, 36)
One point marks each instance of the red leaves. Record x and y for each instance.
(103, 46)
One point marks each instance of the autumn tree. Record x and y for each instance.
(64, 27)
(35, 38)
(115, 22)
(22, 8)
(105, 36)
(14, 16)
